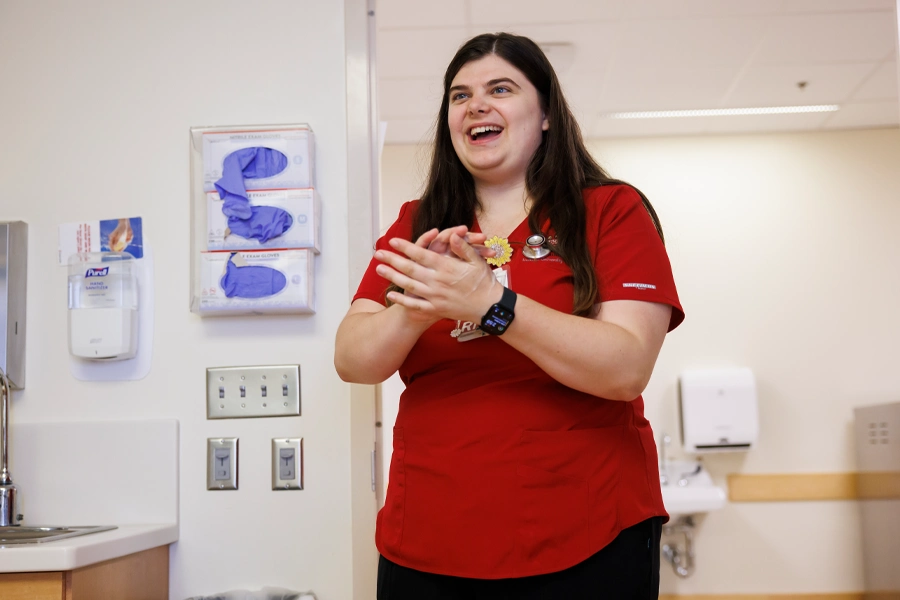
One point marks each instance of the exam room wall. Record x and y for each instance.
(97, 100)
(785, 252)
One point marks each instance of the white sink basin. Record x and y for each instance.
(687, 489)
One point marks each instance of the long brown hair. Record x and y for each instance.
(558, 172)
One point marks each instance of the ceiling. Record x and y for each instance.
(642, 55)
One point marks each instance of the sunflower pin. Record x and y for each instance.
(502, 251)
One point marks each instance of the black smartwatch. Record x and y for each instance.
(500, 315)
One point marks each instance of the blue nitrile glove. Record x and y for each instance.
(246, 163)
(251, 281)
(265, 223)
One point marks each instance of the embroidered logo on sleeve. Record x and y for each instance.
(640, 286)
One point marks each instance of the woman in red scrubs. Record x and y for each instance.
(524, 300)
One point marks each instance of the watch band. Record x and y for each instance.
(508, 299)
(499, 316)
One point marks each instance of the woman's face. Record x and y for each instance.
(496, 120)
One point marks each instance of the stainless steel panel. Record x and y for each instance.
(877, 431)
(13, 267)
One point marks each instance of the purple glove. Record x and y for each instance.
(265, 223)
(251, 281)
(246, 163)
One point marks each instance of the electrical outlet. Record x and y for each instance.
(264, 391)
(287, 463)
(222, 464)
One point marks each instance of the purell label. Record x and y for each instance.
(97, 272)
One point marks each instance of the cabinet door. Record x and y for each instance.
(31, 586)
(140, 576)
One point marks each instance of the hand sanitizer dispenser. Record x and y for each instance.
(103, 305)
(718, 410)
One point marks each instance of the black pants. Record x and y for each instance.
(626, 569)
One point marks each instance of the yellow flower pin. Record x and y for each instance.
(502, 251)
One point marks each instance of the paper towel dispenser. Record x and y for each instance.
(13, 268)
(718, 410)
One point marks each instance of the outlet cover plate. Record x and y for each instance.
(261, 391)
(294, 449)
(222, 463)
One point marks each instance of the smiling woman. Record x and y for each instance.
(523, 466)
(496, 120)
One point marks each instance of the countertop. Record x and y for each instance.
(81, 551)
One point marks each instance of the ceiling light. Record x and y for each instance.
(724, 112)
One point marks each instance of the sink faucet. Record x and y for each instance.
(8, 515)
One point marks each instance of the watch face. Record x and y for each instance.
(497, 320)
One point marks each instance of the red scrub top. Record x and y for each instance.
(499, 470)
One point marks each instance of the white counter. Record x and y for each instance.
(122, 473)
(81, 551)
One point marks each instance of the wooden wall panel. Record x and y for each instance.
(804, 487)
(792, 487)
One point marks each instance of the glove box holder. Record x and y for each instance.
(255, 220)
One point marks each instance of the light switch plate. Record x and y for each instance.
(222, 464)
(287, 463)
(262, 391)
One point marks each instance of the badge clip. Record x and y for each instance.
(502, 251)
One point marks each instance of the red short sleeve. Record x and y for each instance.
(629, 256)
(373, 286)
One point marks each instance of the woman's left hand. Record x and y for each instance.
(459, 286)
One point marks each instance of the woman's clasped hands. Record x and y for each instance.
(443, 273)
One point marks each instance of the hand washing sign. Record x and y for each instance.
(109, 235)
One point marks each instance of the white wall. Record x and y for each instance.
(97, 100)
(786, 254)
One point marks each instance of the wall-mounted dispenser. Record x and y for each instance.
(718, 409)
(103, 305)
(13, 254)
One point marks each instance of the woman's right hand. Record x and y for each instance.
(439, 241)
(456, 287)
(373, 341)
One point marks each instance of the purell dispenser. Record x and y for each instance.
(103, 305)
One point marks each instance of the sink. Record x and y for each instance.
(687, 489)
(23, 534)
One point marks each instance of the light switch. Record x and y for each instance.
(222, 464)
(287, 463)
(258, 391)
